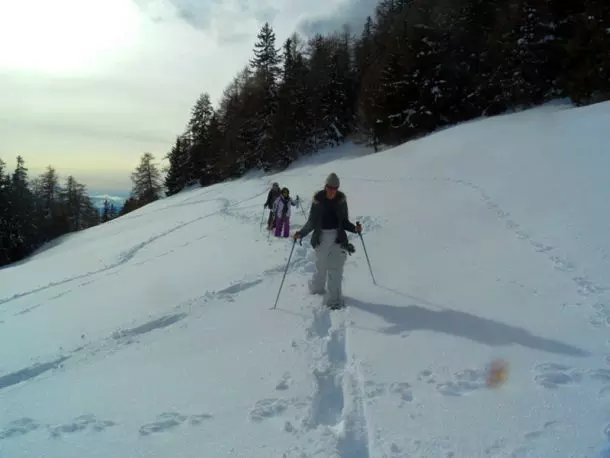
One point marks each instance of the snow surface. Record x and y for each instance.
(152, 335)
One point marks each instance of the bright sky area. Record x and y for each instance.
(88, 86)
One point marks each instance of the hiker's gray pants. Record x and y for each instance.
(330, 260)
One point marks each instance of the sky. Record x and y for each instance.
(88, 86)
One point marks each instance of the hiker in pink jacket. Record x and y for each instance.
(282, 211)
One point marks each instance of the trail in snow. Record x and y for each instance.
(178, 353)
(337, 405)
(129, 254)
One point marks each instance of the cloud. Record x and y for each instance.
(223, 19)
(91, 106)
(352, 13)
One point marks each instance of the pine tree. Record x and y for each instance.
(266, 66)
(146, 180)
(585, 75)
(291, 123)
(342, 87)
(217, 165)
(198, 137)
(109, 212)
(47, 190)
(113, 212)
(77, 210)
(22, 229)
(179, 172)
(130, 205)
(366, 90)
(6, 214)
(106, 212)
(320, 112)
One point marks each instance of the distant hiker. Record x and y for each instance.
(272, 196)
(282, 211)
(329, 221)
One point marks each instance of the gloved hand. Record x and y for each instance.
(296, 235)
(358, 227)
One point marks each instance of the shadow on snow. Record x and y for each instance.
(461, 324)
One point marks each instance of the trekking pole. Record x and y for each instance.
(302, 209)
(272, 226)
(262, 219)
(367, 257)
(285, 271)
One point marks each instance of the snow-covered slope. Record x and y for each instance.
(152, 335)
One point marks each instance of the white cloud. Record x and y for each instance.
(350, 12)
(71, 100)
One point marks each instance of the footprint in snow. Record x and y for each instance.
(401, 390)
(372, 223)
(284, 384)
(541, 248)
(601, 316)
(171, 420)
(394, 451)
(496, 447)
(601, 375)
(268, 408)
(426, 376)
(87, 422)
(199, 418)
(464, 382)
(19, 427)
(587, 287)
(549, 425)
(165, 422)
(552, 375)
(562, 264)
(374, 389)
(320, 324)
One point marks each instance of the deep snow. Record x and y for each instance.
(152, 335)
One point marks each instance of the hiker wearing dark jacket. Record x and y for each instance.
(272, 196)
(329, 221)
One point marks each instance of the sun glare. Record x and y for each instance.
(63, 36)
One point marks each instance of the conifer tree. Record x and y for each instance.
(146, 180)
(179, 173)
(266, 68)
(5, 214)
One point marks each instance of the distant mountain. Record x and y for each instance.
(98, 201)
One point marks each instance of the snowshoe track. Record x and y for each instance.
(337, 404)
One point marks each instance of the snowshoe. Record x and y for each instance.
(336, 305)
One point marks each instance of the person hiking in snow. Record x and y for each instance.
(329, 221)
(282, 211)
(272, 196)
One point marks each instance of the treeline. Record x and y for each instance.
(36, 211)
(416, 66)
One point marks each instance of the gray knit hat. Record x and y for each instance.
(332, 180)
